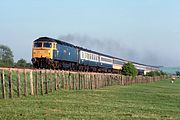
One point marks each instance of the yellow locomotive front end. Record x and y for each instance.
(42, 53)
(42, 50)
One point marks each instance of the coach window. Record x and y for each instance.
(90, 56)
(83, 55)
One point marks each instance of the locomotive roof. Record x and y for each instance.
(68, 44)
(53, 40)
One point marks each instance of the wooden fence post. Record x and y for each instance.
(97, 81)
(18, 84)
(55, 80)
(63, 78)
(86, 80)
(46, 81)
(41, 83)
(100, 85)
(3, 85)
(51, 86)
(31, 83)
(125, 80)
(76, 76)
(91, 79)
(58, 79)
(79, 80)
(94, 81)
(82, 81)
(10, 84)
(36, 82)
(67, 79)
(108, 79)
(73, 81)
(102, 80)
(25, 83)
(122, 82)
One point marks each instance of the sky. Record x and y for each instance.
(145, 31)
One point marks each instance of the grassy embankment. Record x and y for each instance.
(159, 100)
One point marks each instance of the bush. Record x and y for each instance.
(155, 73)
(178, 73)
(22, 63)
(129, 69)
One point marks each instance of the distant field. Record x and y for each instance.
(170, 70)
(160, 100)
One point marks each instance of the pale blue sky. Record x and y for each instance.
(147, 30)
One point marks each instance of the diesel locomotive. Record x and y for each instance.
(51, 53)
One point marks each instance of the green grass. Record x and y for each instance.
(159, 100)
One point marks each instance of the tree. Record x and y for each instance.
(151, 73)
(6, 56)
(155, 73)
(22, 63)
(129, 69)
(29, 65)
(163, 73)
(178, 73)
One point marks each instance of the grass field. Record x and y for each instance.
(159, 100)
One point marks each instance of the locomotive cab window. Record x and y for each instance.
(47, 45)
(38, 44)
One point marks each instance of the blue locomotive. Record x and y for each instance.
(55, 54)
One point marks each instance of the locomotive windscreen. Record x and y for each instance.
(47, 45)
(38, 44)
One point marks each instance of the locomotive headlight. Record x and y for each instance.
(49, 52)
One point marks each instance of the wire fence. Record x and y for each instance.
(25, 82)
